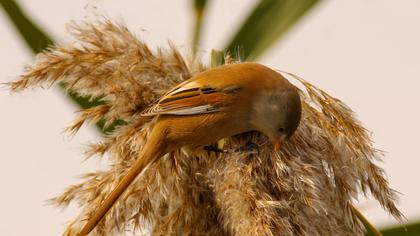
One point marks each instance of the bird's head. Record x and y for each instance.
(278, 114)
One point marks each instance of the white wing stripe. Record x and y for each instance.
(192, 110)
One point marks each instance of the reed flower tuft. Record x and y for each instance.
(306, 189)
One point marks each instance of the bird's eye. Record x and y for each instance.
(281, 129)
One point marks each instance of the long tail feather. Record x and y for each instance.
(150, 153)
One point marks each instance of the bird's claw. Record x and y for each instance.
(250, 147)
(212, 148)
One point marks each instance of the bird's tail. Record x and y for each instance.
(150, 153)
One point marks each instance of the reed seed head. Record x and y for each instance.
(306, 189)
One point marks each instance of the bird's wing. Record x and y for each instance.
(191, 98)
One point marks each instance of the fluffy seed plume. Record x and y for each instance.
(306, 189)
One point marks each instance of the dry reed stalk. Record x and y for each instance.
(306, 189)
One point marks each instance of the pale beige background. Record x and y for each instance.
(366, 52)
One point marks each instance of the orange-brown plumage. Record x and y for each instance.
(215, 104)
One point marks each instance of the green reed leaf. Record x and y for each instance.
(266, 24)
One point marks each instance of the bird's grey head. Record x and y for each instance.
(278, 113)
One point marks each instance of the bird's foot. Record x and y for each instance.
(250, 147)
(213, 148)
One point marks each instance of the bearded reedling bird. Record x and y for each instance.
(213, 105)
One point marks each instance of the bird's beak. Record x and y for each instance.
(277, 144)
